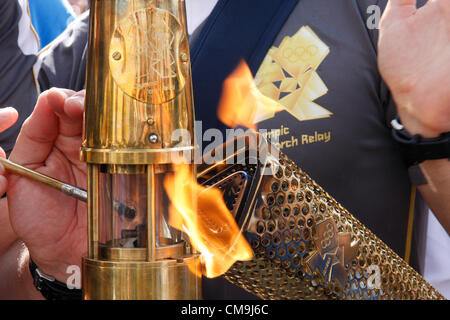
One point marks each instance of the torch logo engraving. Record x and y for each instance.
(334, 251)
(144, 53)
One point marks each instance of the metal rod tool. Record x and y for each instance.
(67, 189)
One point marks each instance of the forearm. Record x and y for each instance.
(16, 282)
(7, 235)
(437, 191)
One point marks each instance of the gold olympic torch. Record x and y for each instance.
(306, 245)
(138, 92)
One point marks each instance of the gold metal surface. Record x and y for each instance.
(139, 86)
(151, 216)
(134, 156)
(158, 280)
(28, 173)
(308, 246)
(154, 78)
(138, 95)
(124, 169)
(140, 254)
(93, 212)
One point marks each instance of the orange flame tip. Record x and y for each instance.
(241, 100)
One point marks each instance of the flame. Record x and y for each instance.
(207, 220)
(241, 100)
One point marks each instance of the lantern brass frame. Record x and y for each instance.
(138, 92)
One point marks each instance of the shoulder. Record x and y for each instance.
(62, 63)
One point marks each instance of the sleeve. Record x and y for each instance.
(18, 48)
(62, 64)
(50, 18)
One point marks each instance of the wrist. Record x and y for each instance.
(54, 264)
(55, 270)
(420, 116)
(51, 288)
(416, 126)
(25, 279)
(417, 148)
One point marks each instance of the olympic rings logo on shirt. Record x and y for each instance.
(302, 53)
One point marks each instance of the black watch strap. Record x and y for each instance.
(417, 149)
(50, 288)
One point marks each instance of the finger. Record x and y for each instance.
(398, 10)
(406, 5)
(75, 107)
(69, 106)
(3, 180)
(8, 116)
(3, 185)
(444, 5)
(37, 135)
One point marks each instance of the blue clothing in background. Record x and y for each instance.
(50, 18)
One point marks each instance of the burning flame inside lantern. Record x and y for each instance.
(201, 213)
(241, 100)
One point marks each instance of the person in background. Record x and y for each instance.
(79, 6)
(50, 18)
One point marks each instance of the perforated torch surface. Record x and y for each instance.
(307, 246)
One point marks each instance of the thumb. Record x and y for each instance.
(399, 9)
